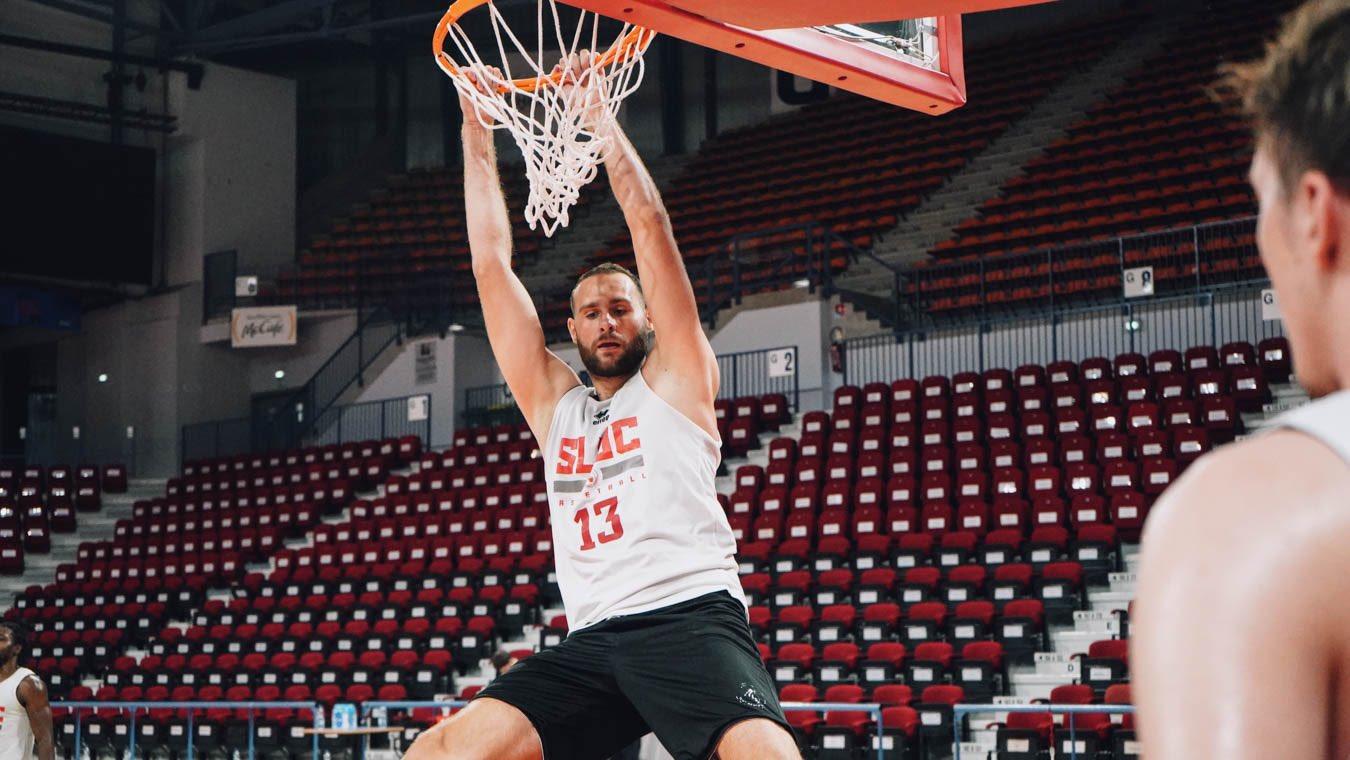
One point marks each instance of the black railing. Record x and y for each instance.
(487, 405)
(1071, 332)
(755, 373)
(772, 259)
(387, 418)
(744, 373)
(346, 423)
(1184, 260)
(286, 424)
(221, 438)
(218, 273)
(43, 442)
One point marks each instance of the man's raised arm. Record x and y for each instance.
(681, 348)
(537, 378)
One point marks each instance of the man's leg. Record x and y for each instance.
(488, 729)
(694, 674)
(562, 702)
(756, 738)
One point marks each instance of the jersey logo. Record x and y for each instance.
(748, 697)
(619, 438)
(601, 416)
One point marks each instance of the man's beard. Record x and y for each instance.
(624, 365)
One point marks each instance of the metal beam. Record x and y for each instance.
(116, 87)
(86, 112)
(97, 13)
(242, 33)
(211, 46)
(193, 70)
(167, 11)
(273, 40)
(256, 23)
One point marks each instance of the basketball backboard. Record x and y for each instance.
(916, 66)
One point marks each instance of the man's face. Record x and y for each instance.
(609, 325)
(8, 649)
(1294, 271)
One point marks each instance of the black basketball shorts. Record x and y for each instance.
(685, 672)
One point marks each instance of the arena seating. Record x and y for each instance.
(932, 531)
(407, 242)
(782, 172)
(161, 562)
(909, 546)
(1157, 153)
(412, 233)
(36, 502)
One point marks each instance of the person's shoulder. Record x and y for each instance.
(1269, 487)
(31, 684)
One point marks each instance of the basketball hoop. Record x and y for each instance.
(549, 111)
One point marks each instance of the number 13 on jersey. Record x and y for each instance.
(607, 509)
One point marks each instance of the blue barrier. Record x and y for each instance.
(875, 709)
(192, 708)
(959, 711)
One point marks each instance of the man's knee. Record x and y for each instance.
(434, 744)
(758, 739)
(485, 730)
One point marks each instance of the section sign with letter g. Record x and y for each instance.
(782, 362)
(1138, 282)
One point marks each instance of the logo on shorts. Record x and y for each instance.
(748, 697)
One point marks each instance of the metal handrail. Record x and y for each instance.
(306, 393)
(817, 254)
(961, 710)
(501, 398)
(77, 706)
(1213, 315)
(869, 707)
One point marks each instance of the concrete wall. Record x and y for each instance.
(462, 362)
(231, 178)
(227, 180)
(427, 124)
(803, 325)
(227, 172)
(319, 338)
(132, 344)
(162, 375)
(336, 102)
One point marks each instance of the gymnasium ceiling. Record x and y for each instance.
(259, 32)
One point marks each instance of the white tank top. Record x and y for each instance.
(632, 496)
(16, 736)
(1326, 419)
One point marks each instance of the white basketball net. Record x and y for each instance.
(549, 123)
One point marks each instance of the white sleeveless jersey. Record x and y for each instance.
(636, 521)
(16, 736)
(1326, 419)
